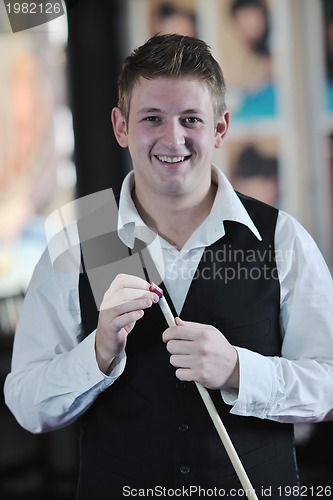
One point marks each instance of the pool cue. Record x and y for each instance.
(224, 436)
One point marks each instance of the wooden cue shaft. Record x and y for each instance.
(224, 436)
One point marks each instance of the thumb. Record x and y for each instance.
(181, 322)
(192, 324)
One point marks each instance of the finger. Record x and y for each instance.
(181, 361)
(180, 347)
(169, 334)
(127, 294)
(114, 297)
(124, 307)
(180, 333)
(126, 319)
(185, 375)
(123, 280)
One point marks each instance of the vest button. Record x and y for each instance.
(185, 469)
(181, 386)
(183, 428)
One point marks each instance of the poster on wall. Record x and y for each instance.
(254, 168)
(172, 16)
(36, 144)
(247, 59)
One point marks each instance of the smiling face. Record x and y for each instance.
(171, 135)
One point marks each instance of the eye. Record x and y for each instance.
(151, 119)
(191, 120)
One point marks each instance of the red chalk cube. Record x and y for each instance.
(156, 289)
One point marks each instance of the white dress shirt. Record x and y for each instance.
(55, 376)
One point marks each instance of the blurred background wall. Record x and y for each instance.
(57, 88)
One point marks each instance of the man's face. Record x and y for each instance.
(171, 135)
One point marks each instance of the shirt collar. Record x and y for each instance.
(226, 206)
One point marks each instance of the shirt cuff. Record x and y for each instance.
(256, 385)
(87, 370)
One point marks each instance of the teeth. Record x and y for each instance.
(171, 159)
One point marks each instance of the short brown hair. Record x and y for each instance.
(171, 56)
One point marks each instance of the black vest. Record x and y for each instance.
(151, 430)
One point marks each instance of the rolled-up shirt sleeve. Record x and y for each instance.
(298, 386)
(54, 376)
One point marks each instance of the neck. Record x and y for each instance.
(175, 220)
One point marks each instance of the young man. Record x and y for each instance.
(249, 286)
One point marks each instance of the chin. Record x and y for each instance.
(174, 189)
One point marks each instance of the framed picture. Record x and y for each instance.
(253, 168)
(36, 144)
(246, 58)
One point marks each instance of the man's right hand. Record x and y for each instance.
(122, 306)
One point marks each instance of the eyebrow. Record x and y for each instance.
(157, 110)
(149, 110)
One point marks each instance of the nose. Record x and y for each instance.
(173, 134)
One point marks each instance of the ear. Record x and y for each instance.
(221, 129)
(119, 125)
